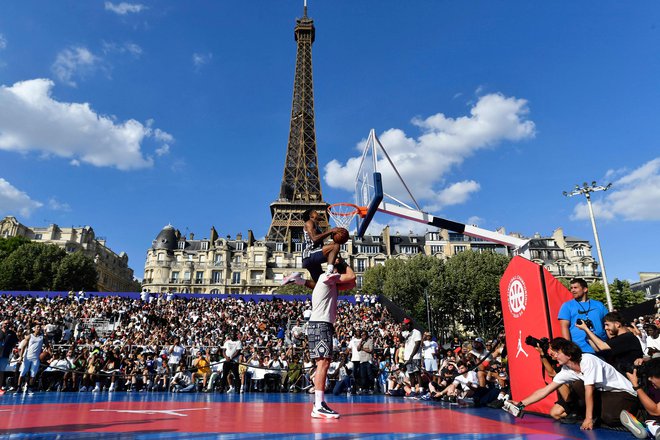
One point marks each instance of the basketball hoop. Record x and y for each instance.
(342, 214)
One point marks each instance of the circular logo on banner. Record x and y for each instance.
(517, 296)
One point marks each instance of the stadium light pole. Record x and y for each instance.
(586, 190)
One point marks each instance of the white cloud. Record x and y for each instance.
(127, 47)
(454, 194)
(13, 200)
(444, 143)
(162, 151)
(56, 205)
(68, 129)
(74, 62)
(3, 42)
(474, 221)
(124, 8)
(162, 135)
(634, 197)
(201, 59)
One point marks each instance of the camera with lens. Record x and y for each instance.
(544, 343)
(590, 324)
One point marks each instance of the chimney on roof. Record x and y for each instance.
(192, 235)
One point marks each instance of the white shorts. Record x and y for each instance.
(31, 365)
(431, 365)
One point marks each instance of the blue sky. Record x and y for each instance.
(130, 116)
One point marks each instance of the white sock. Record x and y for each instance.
(318, 398)
(331, 268)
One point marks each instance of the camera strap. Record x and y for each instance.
(582, 311)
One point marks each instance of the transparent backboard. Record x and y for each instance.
(369, 193)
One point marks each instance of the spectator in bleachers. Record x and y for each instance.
(430, 353)
(182, 381)
(652, 339)
(231, 351)
(412, 355)
(8, 340)
(175, 354)
(201, 368)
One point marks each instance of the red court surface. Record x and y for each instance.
(126, 415)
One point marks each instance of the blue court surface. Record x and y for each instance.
(264, 416)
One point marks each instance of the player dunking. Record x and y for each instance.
(321, 329)
(314, 252)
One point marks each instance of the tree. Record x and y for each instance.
(293, 289)
(397, 284)
(9, 245)
(622, 295)
(75, 272)
(373, 280)
(31, 266)
(472, 281)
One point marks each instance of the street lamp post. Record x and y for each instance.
(586, 190)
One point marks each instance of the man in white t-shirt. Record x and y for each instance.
(412, 354)
(652, 340)
(606, 391)
(231, 351)
(176, 353)
(321, 329)
(430, 353)
(354, 345)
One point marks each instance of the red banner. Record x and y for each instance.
(531, 298)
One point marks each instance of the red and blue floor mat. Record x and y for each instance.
(261, 416)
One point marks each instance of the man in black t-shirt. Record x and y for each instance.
(622, 347)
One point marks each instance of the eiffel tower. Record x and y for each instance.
(301, 186)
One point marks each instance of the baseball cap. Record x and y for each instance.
(479, 340)
(406, 320)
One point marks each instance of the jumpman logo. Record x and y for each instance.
(520, 347)
(171, 412)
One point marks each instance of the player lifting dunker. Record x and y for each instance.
(315, 253)
(321, 329)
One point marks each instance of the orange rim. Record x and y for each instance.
(359, 210)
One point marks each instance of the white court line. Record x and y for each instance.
(171, 412)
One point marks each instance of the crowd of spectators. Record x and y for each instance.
(197, 344)
(224, 345)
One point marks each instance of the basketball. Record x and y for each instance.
(341, 236)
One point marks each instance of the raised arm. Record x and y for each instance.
(597, 342)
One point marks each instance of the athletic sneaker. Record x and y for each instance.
(324, 412)
(514, 410)
(633, 425)
(331, 278)
(295, 277)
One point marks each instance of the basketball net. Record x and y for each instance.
(342, 214)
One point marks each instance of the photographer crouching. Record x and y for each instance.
(649, 398)
(606, 391)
